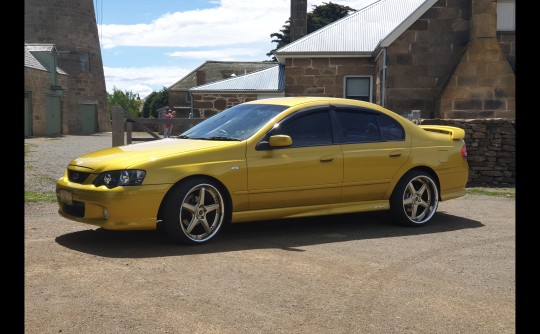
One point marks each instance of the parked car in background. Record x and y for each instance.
(269, 159)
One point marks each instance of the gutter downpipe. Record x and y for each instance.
(190, 105)
(383, 79)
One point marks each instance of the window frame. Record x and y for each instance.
(370, 79)
(506, 16)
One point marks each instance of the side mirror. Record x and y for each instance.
(280, 141)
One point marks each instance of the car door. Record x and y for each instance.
(374, 147)
(309, 172)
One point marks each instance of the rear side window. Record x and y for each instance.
(391, 130)
(363, 126)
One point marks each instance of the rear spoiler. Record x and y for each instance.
(455, 133)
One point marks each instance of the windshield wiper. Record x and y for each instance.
(183, 137)
(222, 138)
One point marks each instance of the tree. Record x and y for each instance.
(128, 100)
(319, 17)
(154, 101)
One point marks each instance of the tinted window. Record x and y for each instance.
(359, 126)
(390, 128)
(310, 129)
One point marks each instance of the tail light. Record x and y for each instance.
(464, 151)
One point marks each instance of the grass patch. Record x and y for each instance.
(39, 197)
(496, 192)
(28, 148)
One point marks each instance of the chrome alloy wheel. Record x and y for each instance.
(420, 199)
(201, 212)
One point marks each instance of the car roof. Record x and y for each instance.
(297, 100)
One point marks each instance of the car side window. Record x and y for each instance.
(391, 130)
(363, 126)
(358, 126)
(310, 129)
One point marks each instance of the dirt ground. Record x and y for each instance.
(337, 274)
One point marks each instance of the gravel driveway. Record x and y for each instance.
(346, 274)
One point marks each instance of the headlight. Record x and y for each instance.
(117, 178)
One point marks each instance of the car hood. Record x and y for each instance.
(122, 157)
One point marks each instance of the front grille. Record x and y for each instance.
(76, 209)
(77, 177)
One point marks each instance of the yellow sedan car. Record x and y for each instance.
(269, 159)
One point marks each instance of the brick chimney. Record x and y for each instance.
(298, 19)
(483, 84)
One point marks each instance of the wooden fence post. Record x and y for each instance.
(118, 122)
(129, 130)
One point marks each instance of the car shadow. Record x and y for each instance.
(286, 234)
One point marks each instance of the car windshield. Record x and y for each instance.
(236, 123)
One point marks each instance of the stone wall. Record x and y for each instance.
(491, 148)
(507, 42)
(208, 104)
(38, 82)
(322, 76)
(71, 26)
(483, 84)
(422, 59)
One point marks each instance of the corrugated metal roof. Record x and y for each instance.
(362, 31)
(219, 70)
(271, 79)
(39, 46)
(31, 61)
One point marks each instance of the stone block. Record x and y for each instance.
(422, 24)
(315, 91)
(404, 59)
(294, 72)
(301, 62)
(468, 104)
(320, 62)
(496, 104)
(306, 81)
(312, 71)
(470, 81)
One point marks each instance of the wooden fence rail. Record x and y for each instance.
(122, 126)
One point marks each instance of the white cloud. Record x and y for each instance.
(233, 22)
(217, 54)
(143, 80)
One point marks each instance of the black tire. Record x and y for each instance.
(194, 211)
(415, 199)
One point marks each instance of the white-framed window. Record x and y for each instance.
(506, 15)
(358, 87)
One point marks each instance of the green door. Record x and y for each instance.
(89, 117)
(53, 119)
(27, 116)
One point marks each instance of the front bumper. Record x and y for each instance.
(120, 208)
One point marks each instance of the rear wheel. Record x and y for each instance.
(415, 199)
(194, 211)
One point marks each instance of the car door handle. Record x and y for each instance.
(394, 155)
(327, 159)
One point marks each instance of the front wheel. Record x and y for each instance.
(194, 211)
(415, 199)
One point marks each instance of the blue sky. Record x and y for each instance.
(148, 45)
